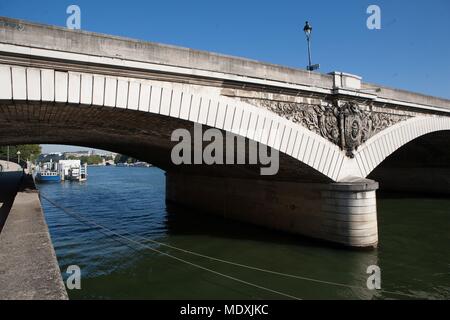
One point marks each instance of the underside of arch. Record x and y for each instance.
(143, 135)
(371, 154)
(420, 166)
(43, 91)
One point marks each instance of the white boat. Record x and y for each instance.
(48, 172)
(73, 170)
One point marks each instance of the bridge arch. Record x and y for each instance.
(26, 86)
(372, 153)
(130, 108)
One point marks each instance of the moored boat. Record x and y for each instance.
(48, 172)
(48, 176)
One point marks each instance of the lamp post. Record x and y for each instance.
(18, 157)
(308, 30)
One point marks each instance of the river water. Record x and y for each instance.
(120, 245)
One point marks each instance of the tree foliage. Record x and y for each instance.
(121, 158)
(27, 152)
(92, 159)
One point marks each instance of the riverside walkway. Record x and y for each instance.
(28, 265)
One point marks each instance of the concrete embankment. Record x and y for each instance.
(28, 264)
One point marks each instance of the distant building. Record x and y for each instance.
(77, 154)
(104, 153)
(47, 157)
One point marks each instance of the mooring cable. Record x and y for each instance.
(79, 218)
(227, 261)
(270, 271)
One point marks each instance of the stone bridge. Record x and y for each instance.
(336, 136)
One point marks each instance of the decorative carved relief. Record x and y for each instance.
(344, 123)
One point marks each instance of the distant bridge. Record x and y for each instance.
(334, 133)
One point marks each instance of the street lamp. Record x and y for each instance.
(18, 157)
(308, 29)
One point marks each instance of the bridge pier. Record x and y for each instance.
(343, 213)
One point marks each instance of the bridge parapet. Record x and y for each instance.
(32, 40)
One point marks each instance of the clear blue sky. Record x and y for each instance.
(411, 51)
